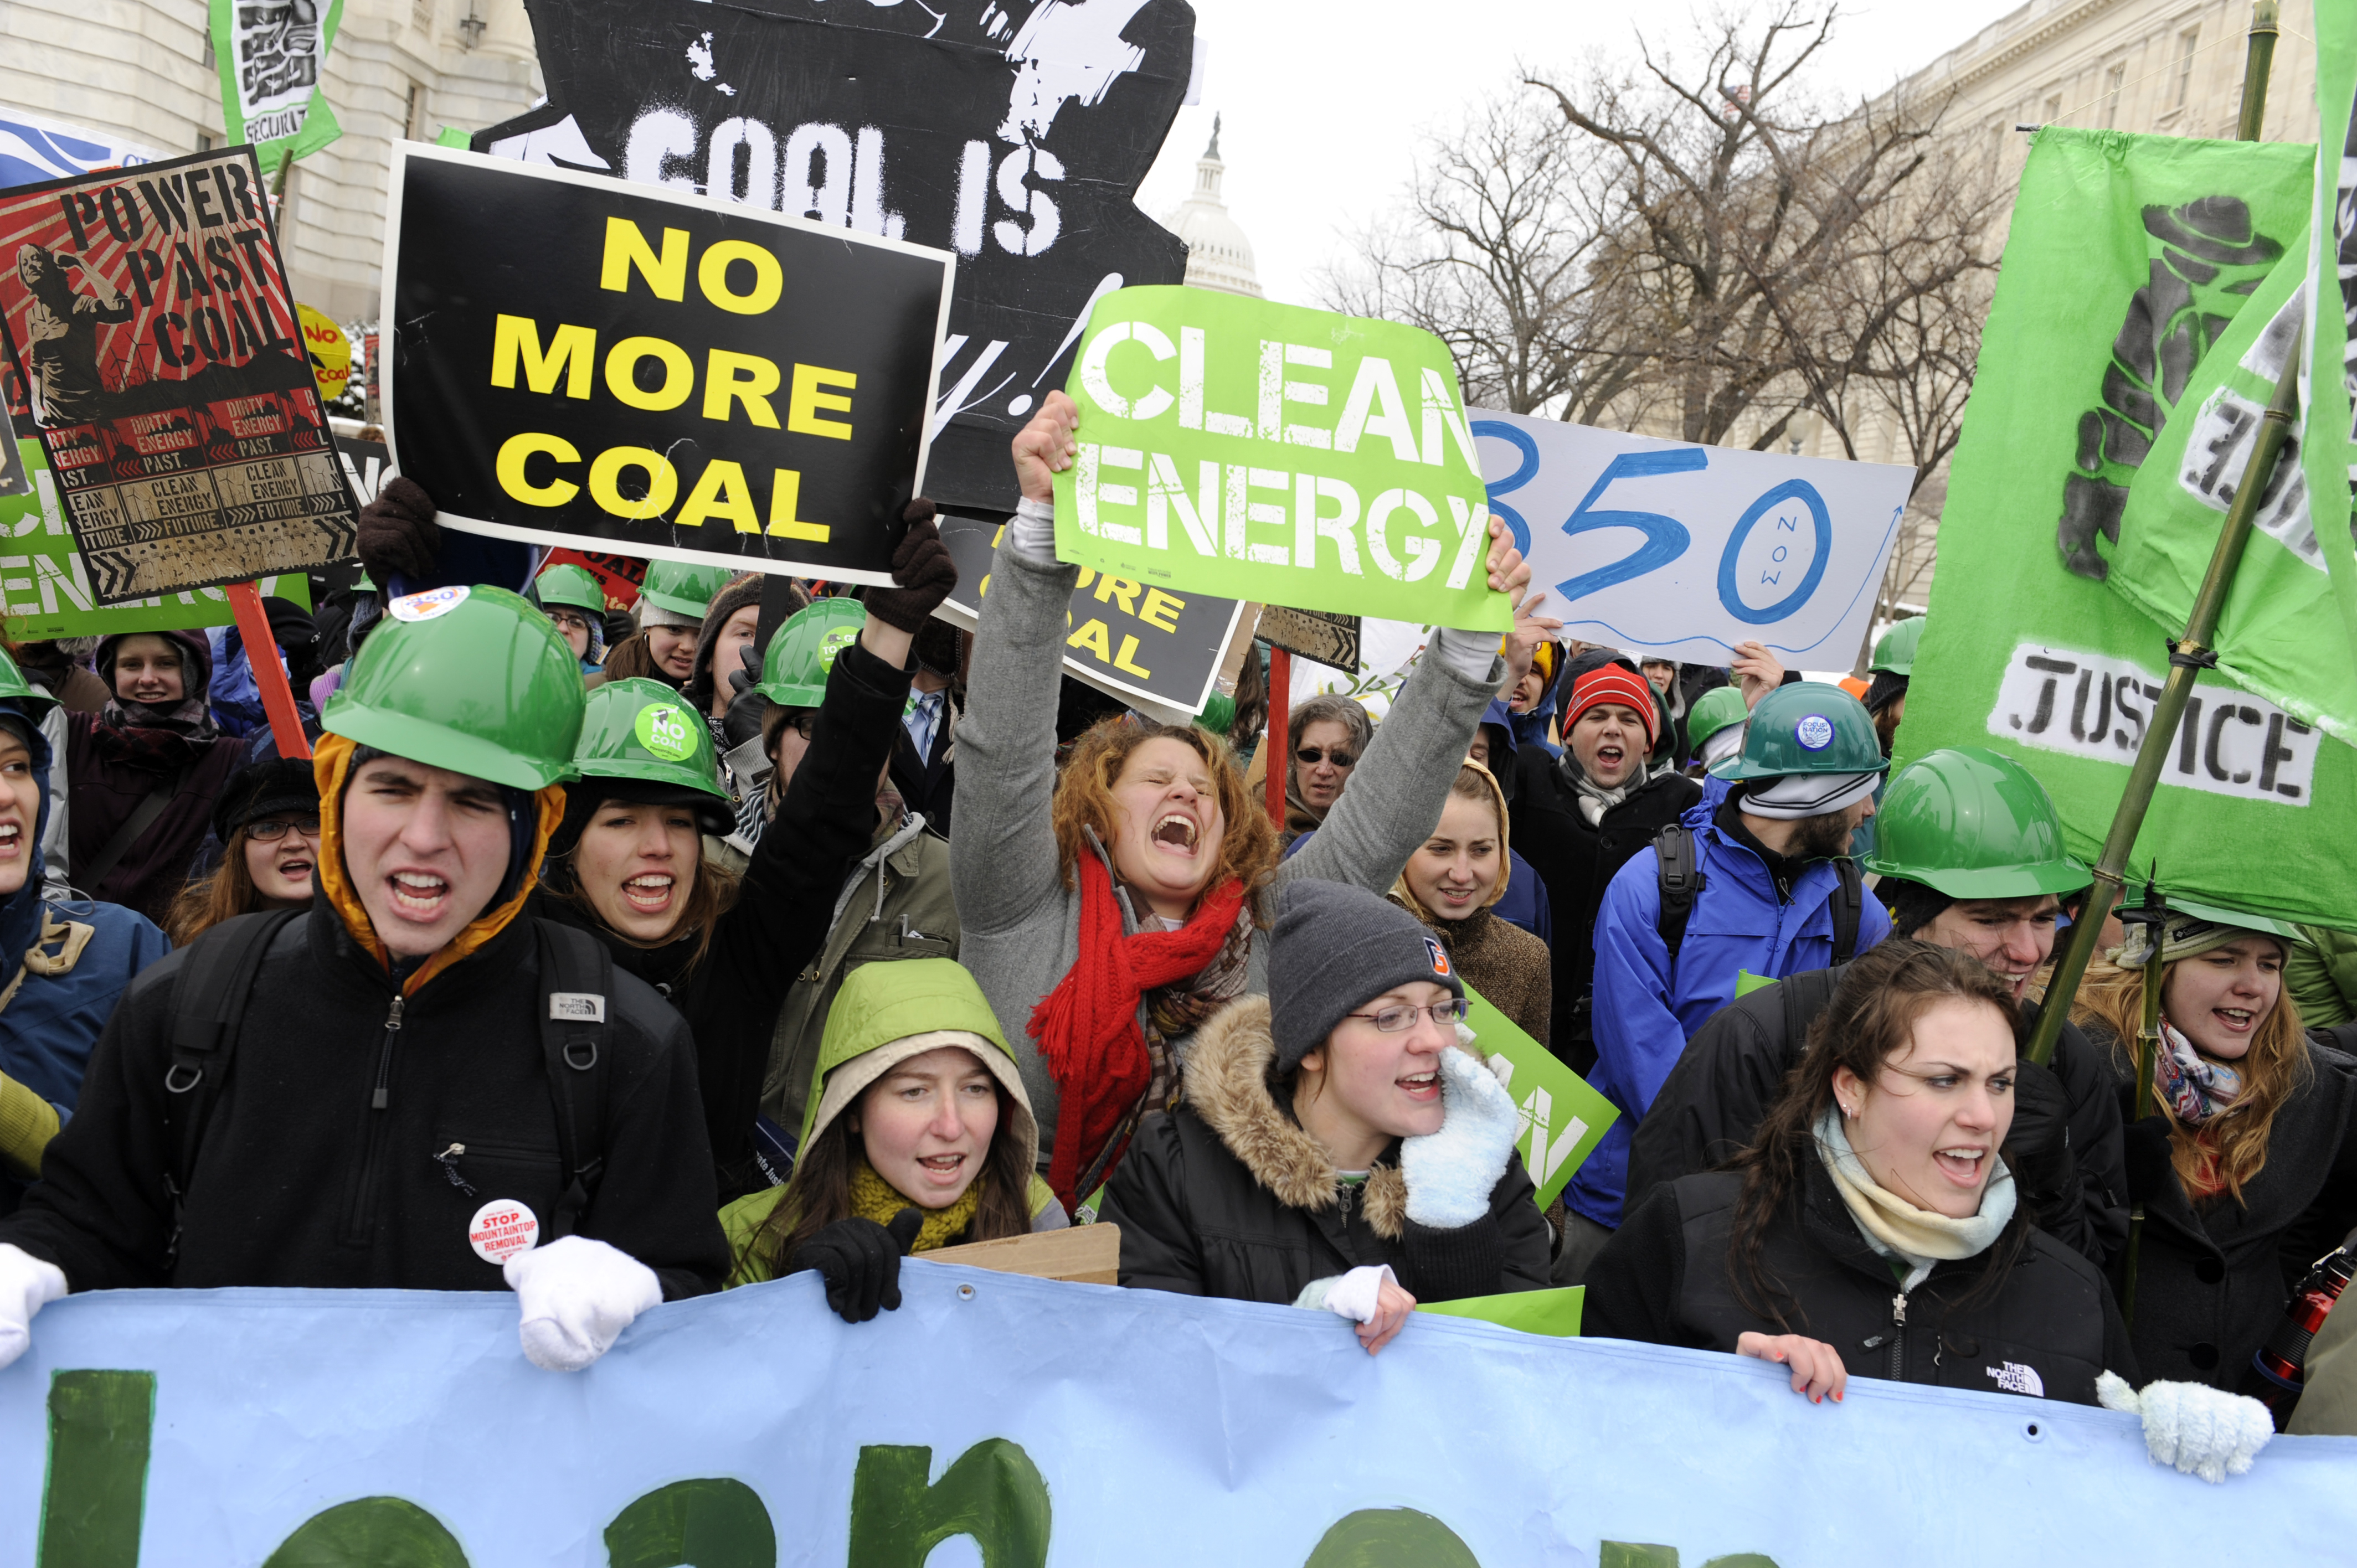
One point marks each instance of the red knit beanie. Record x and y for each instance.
(1614, 684)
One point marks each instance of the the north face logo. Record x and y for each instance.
(577, 1006)
(2016, 1379)
(1440, 957)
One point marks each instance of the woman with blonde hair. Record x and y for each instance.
(2243, 1159)
(1108, 914)
(1453, 883)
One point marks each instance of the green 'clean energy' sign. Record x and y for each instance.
(1271, 453)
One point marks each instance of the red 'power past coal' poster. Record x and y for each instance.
(148, 315)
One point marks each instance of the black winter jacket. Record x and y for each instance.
(1664, 1278)
(1576, 862)
(2212, 1277)
(1228, 1197)
(784, 909)
(1733, 1072)
(300, 1183)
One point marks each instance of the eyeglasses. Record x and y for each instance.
(271, 829)
(1392, 1020)
(1310, 757)
(569, 620)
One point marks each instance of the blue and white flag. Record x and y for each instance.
(34, 148)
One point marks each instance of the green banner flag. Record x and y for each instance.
(2289, 625)
(1274, 454)
(1563, 1118)
(2129, 257)
(273, 56)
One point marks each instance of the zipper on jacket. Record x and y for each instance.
(1899, 1338)
(356, 1228)
(385, 1057)
(1343, 1190)
(448, 1160)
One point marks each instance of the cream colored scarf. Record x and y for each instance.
(1896, 1228)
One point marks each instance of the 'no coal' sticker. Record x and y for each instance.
(501, 1229)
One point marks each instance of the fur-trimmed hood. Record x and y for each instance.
(1226, 1083)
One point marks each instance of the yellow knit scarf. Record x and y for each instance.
(873, 1198)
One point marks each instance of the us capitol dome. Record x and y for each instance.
(1217, 254)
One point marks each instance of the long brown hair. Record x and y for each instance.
(222, 894)
(712, 895)
(2275, 1067)
(1084, 802)
(819, 1192)
(1871, 1020)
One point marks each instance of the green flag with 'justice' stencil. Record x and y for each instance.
(2287, 627)
(2131, 260)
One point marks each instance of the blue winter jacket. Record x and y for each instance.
(1643, 1015)
(50, 1025)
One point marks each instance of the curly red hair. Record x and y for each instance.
(1248, 848)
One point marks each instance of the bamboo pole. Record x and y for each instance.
(2257, 62)
(2190, 654)
(2148, 1042)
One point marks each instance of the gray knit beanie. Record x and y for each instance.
(1337, 947)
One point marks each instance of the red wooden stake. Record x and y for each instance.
(1280, 692)
(269, 675)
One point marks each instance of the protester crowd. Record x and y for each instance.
(772, 928)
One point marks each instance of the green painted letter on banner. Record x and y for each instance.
(993, 1493)
(714, 1522)
(97, 1491)
(1391, 1537)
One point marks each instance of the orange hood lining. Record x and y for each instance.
(332, 764)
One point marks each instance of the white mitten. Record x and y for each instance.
(1450, 1174)
(1353, 1294)
(27, 1286)
(2201, 1430)
(576, 1296)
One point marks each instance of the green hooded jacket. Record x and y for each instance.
(885, 1014)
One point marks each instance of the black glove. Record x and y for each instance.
(749, 707)
(398, 534)
(860, 1261)
(2041, 1138)
(2144, 1151)
(922, 573)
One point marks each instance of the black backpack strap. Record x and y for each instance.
(1681, 880)
(576, 977)
(208, 998)
(1849, 909)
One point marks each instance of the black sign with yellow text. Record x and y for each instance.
(1153, 649)
(576, 362)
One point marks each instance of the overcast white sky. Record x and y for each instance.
(1326, 101)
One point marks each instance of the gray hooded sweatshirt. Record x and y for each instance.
(1019, 925)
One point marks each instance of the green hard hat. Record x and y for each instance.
(794, 670)
(15, 688)
(1972, 824)
(639, 729)
(575, 586)
(364, 584)
(1807, 728)
(474, 680)
(1896, 651)
(1713, 711)
(2241, 919)
(683, 587)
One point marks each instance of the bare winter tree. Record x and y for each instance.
(1495, 257)
(1771, 257)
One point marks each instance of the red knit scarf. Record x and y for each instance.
(1087, 1027)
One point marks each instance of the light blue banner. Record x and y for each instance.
(1069, 1424)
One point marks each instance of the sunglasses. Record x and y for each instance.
(1392, 1020)
(1310, 757)
(271, 829)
